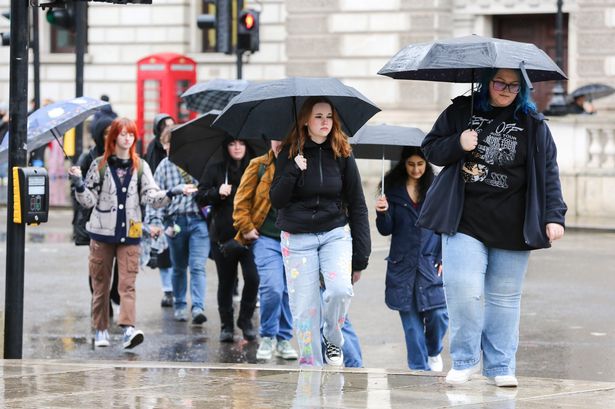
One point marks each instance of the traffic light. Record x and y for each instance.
(222, 22)
(247, 30)
(6, 36)
(63, 16)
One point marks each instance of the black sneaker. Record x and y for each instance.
(167, 299)
(333, 354)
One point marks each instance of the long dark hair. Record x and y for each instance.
(398, 175)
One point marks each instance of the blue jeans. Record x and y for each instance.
(306, 256)
(483, 292)
(424, 332)
(166, 279)
(189, 247)
(353, 358)
(275, 316)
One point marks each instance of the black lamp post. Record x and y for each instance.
(557, 104)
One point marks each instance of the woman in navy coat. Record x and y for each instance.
(413, 282)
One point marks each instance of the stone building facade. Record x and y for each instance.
(347, 39)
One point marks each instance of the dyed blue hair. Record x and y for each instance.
(523, 102)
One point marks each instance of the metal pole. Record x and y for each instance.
(239, 52)
(239, 64)
(15, 233)
(557, 104)
(36, 59)
(81, 13)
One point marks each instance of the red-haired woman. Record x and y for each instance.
(325, 230)
(115, 186)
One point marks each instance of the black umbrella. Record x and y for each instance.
(211, 95)
(195, 143)
(464, 59)
(384, 142)
(270, 109)
(593, 91)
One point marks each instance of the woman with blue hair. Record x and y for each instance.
(497, 198)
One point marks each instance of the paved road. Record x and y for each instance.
(567, 326)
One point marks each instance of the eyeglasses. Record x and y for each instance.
(501, 86)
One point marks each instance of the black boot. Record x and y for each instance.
(227, 329)
(245, 322)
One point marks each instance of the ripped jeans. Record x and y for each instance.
(483, 294)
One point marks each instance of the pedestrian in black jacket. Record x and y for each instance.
(325, 231)
(217, 188)
(497, 198)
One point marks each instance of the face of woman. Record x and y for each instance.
(415, 167)
(124, 139)
(503, 88)
(321, 120)
(237, 150)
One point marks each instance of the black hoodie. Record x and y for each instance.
(221, 226)
(155, 152)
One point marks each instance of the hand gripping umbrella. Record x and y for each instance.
(464, 59)
(270, 109)
(54, 120)
(212, 95)
(384, 142)
(195, 143)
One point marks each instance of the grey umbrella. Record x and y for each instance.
(384, 142)
(593, 91)
(464, 59)
(195, 144)
(270, 109)
(54, 120)
(212, 95)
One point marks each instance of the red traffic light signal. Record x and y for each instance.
(247, 30)
(248, 20)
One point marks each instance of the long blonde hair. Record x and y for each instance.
(298, 135)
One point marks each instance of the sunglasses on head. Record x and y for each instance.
(501, 86)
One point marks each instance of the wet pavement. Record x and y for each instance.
(66, 384)
(567, 333)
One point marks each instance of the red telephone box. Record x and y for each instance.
(161, 79)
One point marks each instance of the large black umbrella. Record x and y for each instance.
(464, 59)
(270, 109)
(195, 143)
(593, 91)
(384, 142)
(212, 95)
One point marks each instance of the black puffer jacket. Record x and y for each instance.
(221, 225)
(322, 198)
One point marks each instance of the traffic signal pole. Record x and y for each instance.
(16, 232)
(238, 51)
(81, 12)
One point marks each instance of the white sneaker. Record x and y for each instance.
(333, 354)
(435, 363)
(509, 381)
(459, 376)
(101, 338)
(132, 337)
(285, 350)
(265, 349)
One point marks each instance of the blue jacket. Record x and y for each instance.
(411, 268)
(444, 202)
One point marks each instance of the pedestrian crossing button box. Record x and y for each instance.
(31, 195)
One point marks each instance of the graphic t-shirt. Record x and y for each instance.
(495, 176)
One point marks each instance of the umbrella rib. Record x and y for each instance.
(54, 132)
(244, 122)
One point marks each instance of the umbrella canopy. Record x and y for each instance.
(195, 143)
(463, 59)
(270, 109)
(593, 91)
(54, 120)
(384, 141)
(212, 95)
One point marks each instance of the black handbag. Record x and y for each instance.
(232, 248)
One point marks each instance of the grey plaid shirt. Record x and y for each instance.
(167, 176)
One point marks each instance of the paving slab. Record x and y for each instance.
(125, 384)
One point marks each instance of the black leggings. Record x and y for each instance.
(227, 275)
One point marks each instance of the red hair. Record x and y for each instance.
(296, 140)
(114, 130)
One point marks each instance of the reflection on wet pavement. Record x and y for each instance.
(31, 383)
